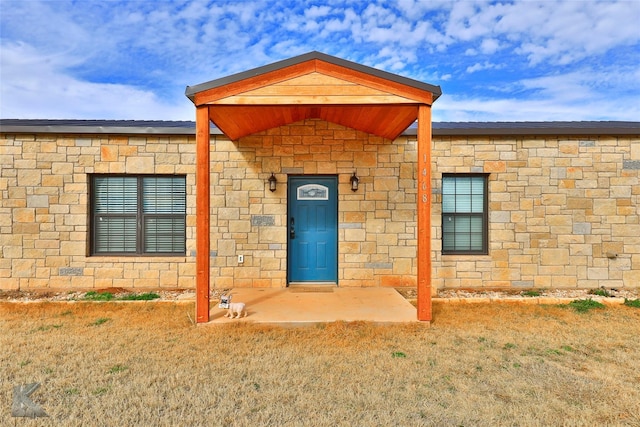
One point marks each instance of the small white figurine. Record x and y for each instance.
(236, 309)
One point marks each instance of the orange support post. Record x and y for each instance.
(424, 212)
(203, 213)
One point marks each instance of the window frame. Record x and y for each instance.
(484, 215)
(140, 216)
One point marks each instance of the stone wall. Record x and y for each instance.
(376, 236)
(44, 212)
(563, 212)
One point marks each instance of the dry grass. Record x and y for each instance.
(144, 364)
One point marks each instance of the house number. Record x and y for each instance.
(424, 184)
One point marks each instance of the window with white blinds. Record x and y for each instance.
(464, 214)
(138, 215)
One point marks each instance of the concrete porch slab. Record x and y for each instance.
(300, 306)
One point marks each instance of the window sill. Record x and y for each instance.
(465, 256)
(138, 257)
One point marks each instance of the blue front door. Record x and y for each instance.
(313, 229)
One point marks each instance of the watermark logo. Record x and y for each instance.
(23, 406)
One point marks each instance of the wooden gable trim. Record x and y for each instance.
(313, 100)
(229, 93)
(417, 95)
(209, 96)
(314, 83)
(311, 89)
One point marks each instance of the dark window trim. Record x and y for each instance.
(484, 215)
(139, 215)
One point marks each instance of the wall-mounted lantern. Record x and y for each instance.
(354, 182)
(272, 182)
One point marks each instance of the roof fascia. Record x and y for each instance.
(531, 129)
(439, 128)
(102, 130)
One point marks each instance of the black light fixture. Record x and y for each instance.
(354, 182)
(272, 182)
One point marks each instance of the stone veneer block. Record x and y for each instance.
(631, 164)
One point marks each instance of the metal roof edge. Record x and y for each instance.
(161, 127)
(101, 127)
(190, 91)
(576, 128)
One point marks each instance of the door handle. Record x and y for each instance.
(292, 228)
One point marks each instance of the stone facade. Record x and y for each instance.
(563, 212)
(377, 224)
(44, 211)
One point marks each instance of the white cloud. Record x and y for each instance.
(147, 52)
(391, 59)
(480, 66)
(562, 32)
(460, 108)
(467, 22)
(317, 12)
(417, 8)
(587, 84)
(35, 87)
(489, 46)
(349, 21)
(585, 94)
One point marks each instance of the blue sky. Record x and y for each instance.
(495, 61)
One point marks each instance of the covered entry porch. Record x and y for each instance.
(308, 306)
(346, 117)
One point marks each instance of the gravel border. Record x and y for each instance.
(546, 296)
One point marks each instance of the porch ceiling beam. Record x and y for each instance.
(387, 121)
(304, 99)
